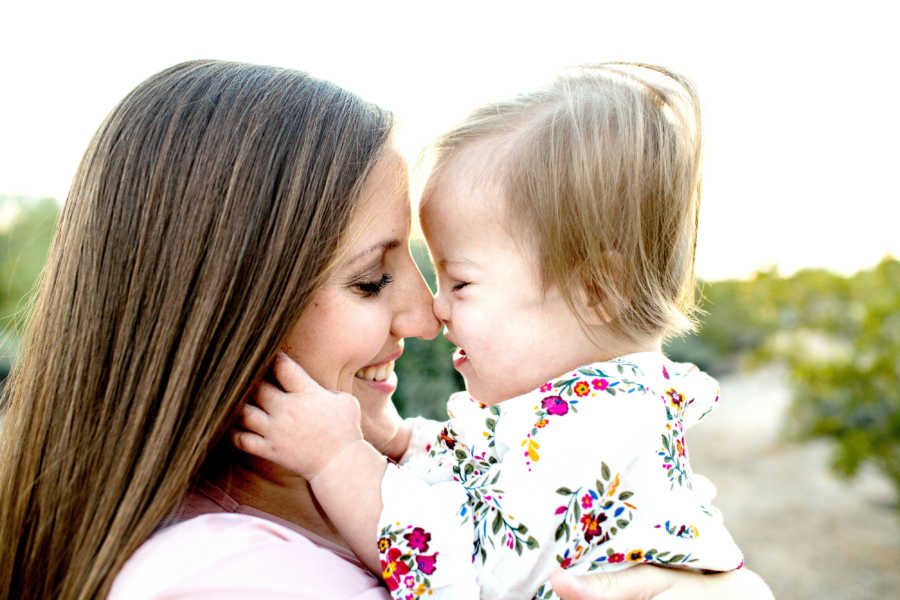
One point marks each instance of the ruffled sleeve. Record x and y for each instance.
(698, 391)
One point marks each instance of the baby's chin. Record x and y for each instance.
(492, 396)
(488, 397)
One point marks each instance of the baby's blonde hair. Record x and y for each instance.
(600, 171)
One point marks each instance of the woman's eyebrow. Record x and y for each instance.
(383, 246)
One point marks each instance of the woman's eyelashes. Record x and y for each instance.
(373, 287)
(459, 285)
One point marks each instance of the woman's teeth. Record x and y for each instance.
(376, 373)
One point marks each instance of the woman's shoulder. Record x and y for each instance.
(233, 555)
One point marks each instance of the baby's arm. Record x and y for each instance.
(316, 433)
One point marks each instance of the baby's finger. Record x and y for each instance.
(290, 374)
(254, 419)
(251, 443)
(267, 396)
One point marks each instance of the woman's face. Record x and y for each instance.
(352, 331)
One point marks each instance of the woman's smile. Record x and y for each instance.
(376, 372)
(380, 374)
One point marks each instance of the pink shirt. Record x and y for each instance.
(222, 549)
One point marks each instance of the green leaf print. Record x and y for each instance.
(498, 522)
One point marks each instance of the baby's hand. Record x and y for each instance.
(302, 427)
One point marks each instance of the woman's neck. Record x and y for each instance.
(267, 487)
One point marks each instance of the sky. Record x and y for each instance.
(799, 99)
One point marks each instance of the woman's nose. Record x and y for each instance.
(413, 312)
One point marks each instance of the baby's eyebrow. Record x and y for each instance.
(462, 262)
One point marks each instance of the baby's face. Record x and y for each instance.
(512, 336)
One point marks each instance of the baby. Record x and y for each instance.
(562, 226)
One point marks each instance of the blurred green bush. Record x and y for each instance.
(840, 337)
(845, 367)
(26, 229)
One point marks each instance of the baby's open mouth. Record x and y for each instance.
(376, 372)
(459, 355)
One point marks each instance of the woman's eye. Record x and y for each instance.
(373, 288)
(460, 285)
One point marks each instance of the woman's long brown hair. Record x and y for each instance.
(206, 209)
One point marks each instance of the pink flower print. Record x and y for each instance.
(555, 405)
(393, 568)
(409, 582)
(600, 384)
(675, 398)
(665, 373)
(547, 387)
(427, 564)
(587, 501)
(617, 558)
(447, 438)
(566, 562)
(582, 388)
(590, 524)
(418, 539)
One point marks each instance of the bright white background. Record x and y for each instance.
(800, 99)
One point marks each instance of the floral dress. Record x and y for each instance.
(589, 472)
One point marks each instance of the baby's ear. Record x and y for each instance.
(594, 309)
(597, 295)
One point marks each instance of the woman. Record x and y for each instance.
(222, 212)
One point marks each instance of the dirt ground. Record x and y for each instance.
(808, 533)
